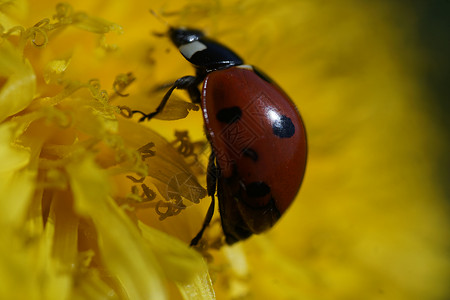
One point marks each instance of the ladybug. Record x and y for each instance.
(258, 139)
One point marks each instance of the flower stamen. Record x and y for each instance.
(121, 83)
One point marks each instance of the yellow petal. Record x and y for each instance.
(182, 264)
(179, 261)
(199, 288)
(16, 182)
(12, 10)
(168, 167)
(176, 109)
(20, 86)
(122, 248)
(55, 69)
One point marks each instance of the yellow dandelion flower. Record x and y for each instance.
(63, 147)
(95, 205)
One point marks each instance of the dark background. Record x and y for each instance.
(432, 24)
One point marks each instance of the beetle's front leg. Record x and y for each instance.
(188, 83)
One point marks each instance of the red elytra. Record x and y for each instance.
(257, 136)
(249, 153)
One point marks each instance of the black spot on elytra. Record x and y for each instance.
(229, 115)
(283, 127)
(257, 189)
(249, 152)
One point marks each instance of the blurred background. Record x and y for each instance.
(371, 80)
(432, 27)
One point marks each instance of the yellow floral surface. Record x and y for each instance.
(95, 205)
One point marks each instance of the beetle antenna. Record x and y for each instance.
(159, 18)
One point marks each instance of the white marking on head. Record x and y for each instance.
(188, 50)
(247, 67)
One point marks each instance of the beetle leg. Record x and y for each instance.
(211, 182)
(188, 83)
(194, 94)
